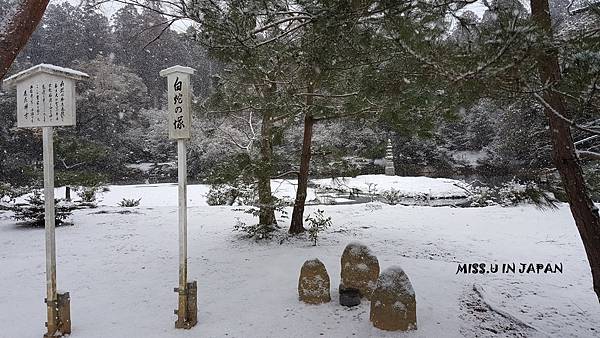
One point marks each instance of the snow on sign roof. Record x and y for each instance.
(45, 68)
(177, 69)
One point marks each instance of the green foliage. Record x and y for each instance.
(84, 32)
(129, 202)
(123, 66)
(33, 213)
(81, 162)
(256, 231)
(262, 231)
(8, 192)
(89, 196)
(20, 148)
(317, 223)
(238, 192)
(592, 174)
(522, 140)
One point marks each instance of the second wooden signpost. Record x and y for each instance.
(179, 120)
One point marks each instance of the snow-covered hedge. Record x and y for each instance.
(511, 193)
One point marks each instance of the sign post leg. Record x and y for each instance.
(186, 310)
(51, 297)
(59, 321)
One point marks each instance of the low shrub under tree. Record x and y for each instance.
(33, 212)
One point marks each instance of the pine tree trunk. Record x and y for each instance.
(263, 172)
(565, 158)
(297, 225)
(18, 29)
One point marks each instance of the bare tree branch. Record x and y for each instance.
(70, 166)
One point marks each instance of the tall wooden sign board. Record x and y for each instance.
(46, 99)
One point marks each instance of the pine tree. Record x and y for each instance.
(33, 213)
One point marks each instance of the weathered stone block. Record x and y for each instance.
(393, 303)
(360, 269)
(313, 284)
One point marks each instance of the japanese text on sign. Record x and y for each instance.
(45, 101)
(179, 105)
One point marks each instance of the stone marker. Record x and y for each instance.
(393, 304)
(360, 269)
(313, 284)
(389, 159)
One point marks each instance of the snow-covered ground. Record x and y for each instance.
(121, 268)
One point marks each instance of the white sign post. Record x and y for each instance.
(179, 121)
(46, 98)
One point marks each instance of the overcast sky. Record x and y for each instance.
(111, 7)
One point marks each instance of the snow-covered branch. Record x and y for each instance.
(563, 118)
(586, 139)
(279, 22)
(328, 95)
(490, 62)
(588, 154)
(423, 59)
(287, 32)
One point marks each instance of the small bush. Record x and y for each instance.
(129, 203)
(33, 213)
(88, 194)
(317, 223)
(257, 231)
(227, 194)
(391, 196)
(372, 190)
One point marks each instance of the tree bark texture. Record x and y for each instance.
(19, 26)
(263, 172)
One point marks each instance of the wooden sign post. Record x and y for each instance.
(46, 98)
(179, 105)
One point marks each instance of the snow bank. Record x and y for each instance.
(165, 194)
(407, 185)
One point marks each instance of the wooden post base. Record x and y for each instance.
(59, 312)
(188, 299)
